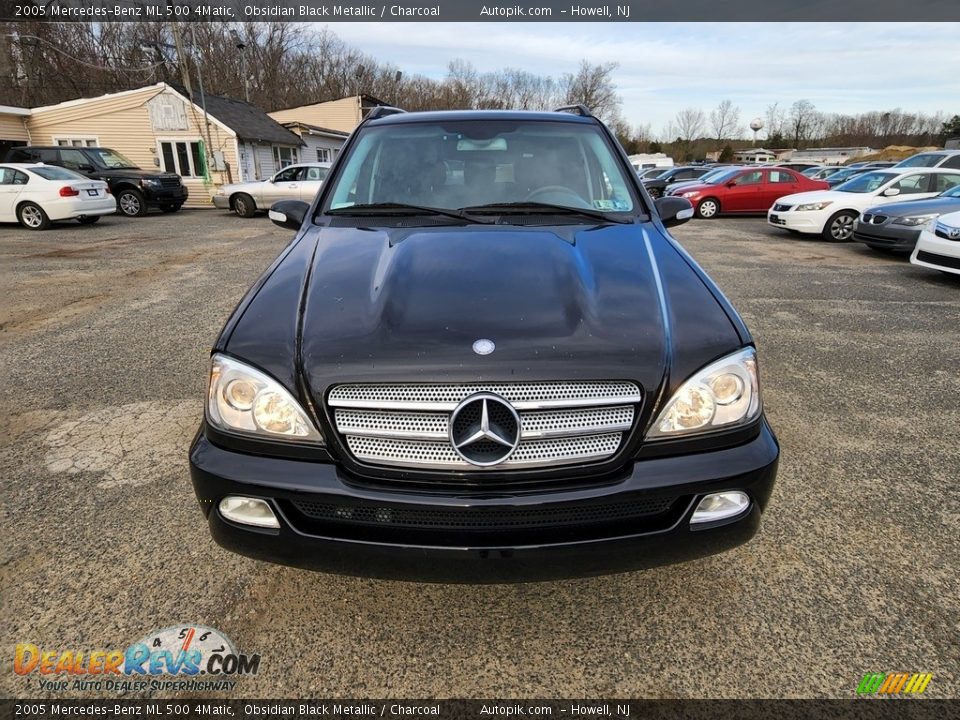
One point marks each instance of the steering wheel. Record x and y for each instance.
(560, 190)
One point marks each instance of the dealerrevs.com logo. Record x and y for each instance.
(899, 683)
(196, 657)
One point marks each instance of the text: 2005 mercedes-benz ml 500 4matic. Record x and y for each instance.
(483, 358)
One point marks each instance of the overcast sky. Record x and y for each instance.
(665, 67)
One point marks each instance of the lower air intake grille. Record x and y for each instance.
(482, 518)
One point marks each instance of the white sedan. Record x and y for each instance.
(938, 246)
(295, 182)
(35, 195)
(831, 213)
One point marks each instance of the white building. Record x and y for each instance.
(641, 161)
(831, 156)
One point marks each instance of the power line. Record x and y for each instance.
(143, 68)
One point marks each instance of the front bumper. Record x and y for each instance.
(889, 237)
(937, 253)
(159, 196)
(222, 202)
(808, 221)
(449, 554)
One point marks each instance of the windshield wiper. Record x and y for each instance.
(535, 208)
(394, 208)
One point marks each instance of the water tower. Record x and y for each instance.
(756, 125)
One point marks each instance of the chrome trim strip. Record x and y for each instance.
(524, 435)
(421, 406)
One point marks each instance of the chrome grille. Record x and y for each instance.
(560, 422)
(945, 231)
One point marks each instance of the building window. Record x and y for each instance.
(183, 158)
(324, 155)
(76, 142)
(284, 156)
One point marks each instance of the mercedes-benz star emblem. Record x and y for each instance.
(484, 429)
(484, 346)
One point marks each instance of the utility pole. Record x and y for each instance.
(242, 47)
(185, 72)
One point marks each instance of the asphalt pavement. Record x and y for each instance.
(104, 338)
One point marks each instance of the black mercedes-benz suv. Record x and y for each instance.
(135, 189)
(483, 358)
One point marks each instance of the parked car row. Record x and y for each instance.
(135, 189)
(912, 206)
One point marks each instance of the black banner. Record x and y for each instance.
(856, 11)
(858, 709)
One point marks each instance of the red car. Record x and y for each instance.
(746, 190)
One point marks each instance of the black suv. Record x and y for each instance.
(483, 357)
(656, 185)
(136, 189)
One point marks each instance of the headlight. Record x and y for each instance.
(813, 206)
(913, 220)
(150, 181)
(689, 194)
(242, 399)
(723, 394)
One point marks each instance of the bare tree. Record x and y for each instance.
(803, 120)
(690, 123)
(776, 118)
(725, 121)
(593, 86)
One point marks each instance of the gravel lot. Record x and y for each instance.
(104, 335)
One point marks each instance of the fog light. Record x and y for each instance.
(248, 511)
(720, 506)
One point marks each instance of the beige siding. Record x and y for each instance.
(343, 114)
(11, 128)
(123, 122)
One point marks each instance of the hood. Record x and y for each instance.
(812, 196)
(923, 206)
(408, 304)
(696, 186)
(136, 173)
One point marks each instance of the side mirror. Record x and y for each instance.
(86, 168)
(673, 210)
(288, 214)
(891, 192)
(731, 183)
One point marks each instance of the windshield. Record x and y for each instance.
(721, 177)
(469, 163)
(111, 159)
(953, 192)
(52, 172)
(866, 183)
(921, 160)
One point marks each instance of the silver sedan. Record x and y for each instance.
(295, 182)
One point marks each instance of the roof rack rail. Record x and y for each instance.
(380, 111)
(579, 108)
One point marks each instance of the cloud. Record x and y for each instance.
(841, 67)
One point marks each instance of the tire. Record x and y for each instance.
(32, 216)
(170, 208)
(88, 220)
(243, 205)
(708, 208)
(131, 203)
(839, 228)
